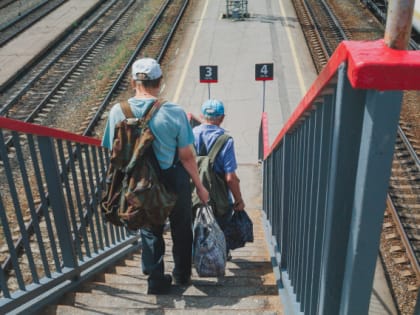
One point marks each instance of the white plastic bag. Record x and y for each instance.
(209, 248)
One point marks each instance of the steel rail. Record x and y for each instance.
(409, 147)
(407, 244)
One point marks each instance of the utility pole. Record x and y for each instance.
(398, 23)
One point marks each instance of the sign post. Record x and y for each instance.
(263, 72)
(208, 74)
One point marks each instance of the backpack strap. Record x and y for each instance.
(202, 149)
(217, 146)
(126, 109)
(128, 113)
(152, 109)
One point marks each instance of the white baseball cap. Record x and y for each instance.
(146, 69)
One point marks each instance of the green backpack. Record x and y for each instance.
(135, 196)
(214, 182)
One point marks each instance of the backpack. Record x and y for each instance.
(135, 195)
(214, 182)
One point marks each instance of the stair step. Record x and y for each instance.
(70, 310)
(233, 264)
(139, 301)
(135, 271)
(268, 279)
(196, 289)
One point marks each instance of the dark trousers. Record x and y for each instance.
(153, 245)
(223, 220)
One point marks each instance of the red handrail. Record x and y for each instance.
(370, 65)
(38, 130)
(264, 130)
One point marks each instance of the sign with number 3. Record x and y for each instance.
(208, 74)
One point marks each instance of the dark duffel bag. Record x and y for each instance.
(239, 230)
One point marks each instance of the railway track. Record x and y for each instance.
(325, 25)
(28, 96)
(153, 40)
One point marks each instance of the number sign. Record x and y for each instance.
(263, 71)
(208, 74)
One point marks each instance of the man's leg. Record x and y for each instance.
(181, 224)
(153, 251)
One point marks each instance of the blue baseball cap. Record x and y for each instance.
(213, 108)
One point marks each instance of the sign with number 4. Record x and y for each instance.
(263, 71)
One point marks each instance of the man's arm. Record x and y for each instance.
(187, 158)
(232, 181)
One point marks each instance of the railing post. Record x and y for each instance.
(346, 135)
(284, 206)
(379, 130)
(57, 201)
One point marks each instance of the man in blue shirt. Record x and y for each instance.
(213, 113)
(175, 154)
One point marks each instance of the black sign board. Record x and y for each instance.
(208, 74)
(263, 71)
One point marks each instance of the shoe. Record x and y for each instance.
(182, 281)
(229, 256)
(161, 286)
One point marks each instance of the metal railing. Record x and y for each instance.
(325, 178)
(53, 236)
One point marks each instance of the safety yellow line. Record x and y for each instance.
(190, 55)
(295, 59)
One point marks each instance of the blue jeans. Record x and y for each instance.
(153, 245)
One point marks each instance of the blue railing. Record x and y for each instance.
(53, 236)
(325, 178)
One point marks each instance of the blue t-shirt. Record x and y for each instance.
(225, 160)
(169, 125)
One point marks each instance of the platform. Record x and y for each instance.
(270, 35)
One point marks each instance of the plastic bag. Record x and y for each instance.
(209, 248)
(239, 230)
